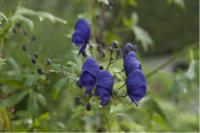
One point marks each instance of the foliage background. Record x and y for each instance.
(33, 102)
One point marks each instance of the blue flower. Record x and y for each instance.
(136, 86)
(128, 47)
(131, 63)
(104, 86)
(87, 79)
(81, 35)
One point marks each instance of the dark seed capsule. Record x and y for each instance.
(24, 33)
(101, 67)
(88, 106)
(111, 58)
(35, 56)
(33, 38)
(33, 60)
(110, 49)
(39, 71)
(18, 25)
(115, 44)
(48, 61)
(77, 100)
(24, 48)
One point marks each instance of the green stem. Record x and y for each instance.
(106, 119)
(169, 61)
(6, 121)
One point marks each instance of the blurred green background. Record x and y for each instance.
(167, 38)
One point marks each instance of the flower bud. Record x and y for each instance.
(33, 60)
(24, 48)
(48, 61)
(39, 71)
(88, 106)
(77, 100)
(115, 44)
(33, 38)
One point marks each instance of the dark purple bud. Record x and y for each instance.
(39, 71)
(77, 100)
(48, 61)
(115, 44)
(88, 106)
(110, 49)
(35, 56)
(18, 25)
(24, 47)
(101, 67)
(128, 47)
(33, 38)
(33, 60)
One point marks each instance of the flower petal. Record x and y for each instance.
(136, 85)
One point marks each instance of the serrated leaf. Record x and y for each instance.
(32, 103)
(13, 99)
(57, 87)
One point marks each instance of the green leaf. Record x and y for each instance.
(32, 103)
(191, 71)
(142, 36)
(57, 87)
(11, 83)
(13, 99)
(41, 15)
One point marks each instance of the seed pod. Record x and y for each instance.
(115, 44)
(101, 67)
(33, 60)
(24, 33)
(77, 100)
(24, 48)
(110, 49)
(35, 56)
(39, 71)
(18, 25)
(33, 38)
(88, 106)
(48, 61)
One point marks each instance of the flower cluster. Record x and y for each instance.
(100, 82)
(135, 81)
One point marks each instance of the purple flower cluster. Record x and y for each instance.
(92, 77)
(135, 81)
